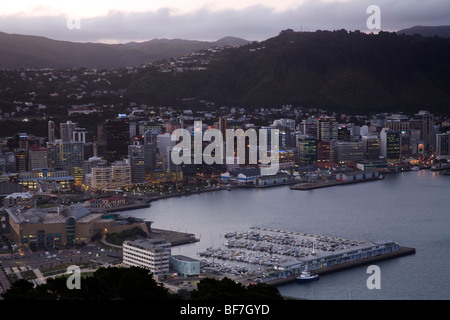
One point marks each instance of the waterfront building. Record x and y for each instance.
(323, 151)
(185, 266)
(45, 228)
(349, 152)
(307, 148)
(357, 175)
(390, 145)
(152, 254)
(277, 179)
(371, 147)
(443, 145)
(424, 122)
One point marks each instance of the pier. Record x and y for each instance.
(317, 185)
(402, 251)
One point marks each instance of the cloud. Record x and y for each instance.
(257, 22)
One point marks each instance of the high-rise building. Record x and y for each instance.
(51, 131)
(327, 128)
(117, 139)
(371, 147)
(323, 151)
(349, 152)
(66, 131)
(397, 122)
(390, 144)
(443, 145)
(38, 157)
(307, 148)
(79, 135)
(424, 121)
(22, 160)
(66, 155)
(223, 127)
(136, 155)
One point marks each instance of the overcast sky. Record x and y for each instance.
(113, 21)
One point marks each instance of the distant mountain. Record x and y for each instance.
(334, 70)
(23, 51)
(427, 31)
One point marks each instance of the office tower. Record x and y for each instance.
(38, 157)
(424, 122)
(223, 128)
(443, 145)
(371, 147)
(390, 144)
(136, 155)
(51, 131)
(79, 135)
(66, 131)
(323, 151)
(307, 147)
(22, 160)
(349, 152)
(327, 128)
(344, 134)
(117, 139)
(66, 155)
(120, 174)
(163, 141)
(397, 122)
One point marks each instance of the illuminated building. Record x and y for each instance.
(152, 254)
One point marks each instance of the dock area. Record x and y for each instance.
(174, 237)
(317, 185)
(276, 256)
(402, 251)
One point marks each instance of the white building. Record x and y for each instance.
(152, 254)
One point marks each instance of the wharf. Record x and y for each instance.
(174, 237)
(317, 185)
(402, 251)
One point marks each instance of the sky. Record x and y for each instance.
(114, 21)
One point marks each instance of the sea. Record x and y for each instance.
(411, 208)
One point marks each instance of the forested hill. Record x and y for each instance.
(337, 70)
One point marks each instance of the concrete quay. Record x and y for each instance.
(402, 251)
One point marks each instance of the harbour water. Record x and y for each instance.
(411, 208)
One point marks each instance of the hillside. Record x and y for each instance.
(23, 51)
(340, 70)
(427, 31)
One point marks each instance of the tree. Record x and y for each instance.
(227, 289)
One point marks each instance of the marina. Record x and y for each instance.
(282, 256)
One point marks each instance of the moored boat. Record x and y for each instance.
(306, 276)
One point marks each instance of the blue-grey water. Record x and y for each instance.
(411, 208)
